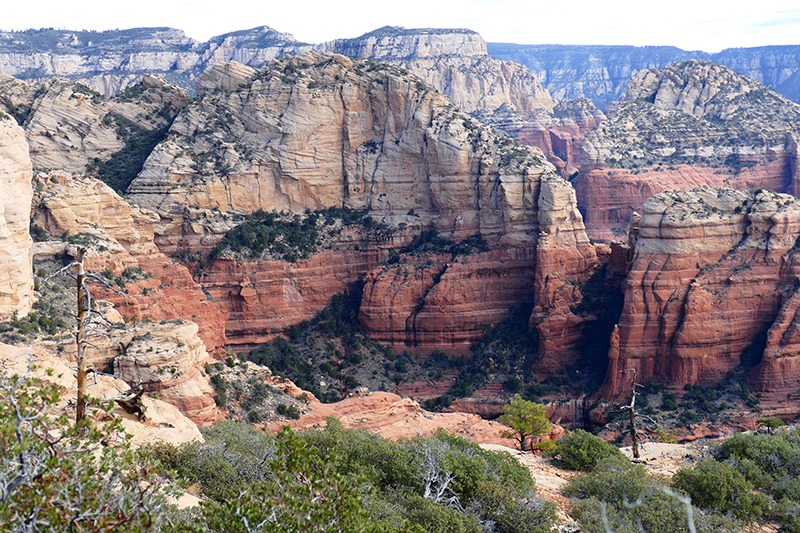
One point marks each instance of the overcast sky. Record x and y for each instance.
(691, 25)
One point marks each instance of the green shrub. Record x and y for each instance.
(580, 450)
(719, 486)
(632, 499)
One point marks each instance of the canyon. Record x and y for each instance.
(420, 132)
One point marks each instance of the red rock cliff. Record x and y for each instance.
(711, 270)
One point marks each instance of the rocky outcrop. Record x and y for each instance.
(16, 277)
(68, 204)
(393, 417)
(167, 359)
(558, 134)
(323, 130)
(264, 299)
(456, 63)
(445, 301)
(712, 269)
(119, 241)
(69, 125)
(691, 124)
(164, 421)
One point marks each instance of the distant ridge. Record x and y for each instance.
(111, 60)
(601, 73)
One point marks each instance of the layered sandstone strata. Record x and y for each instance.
(323, 130)
(712, 269)
(167, 359)
(119, 242)
(446, 301)
(558, 134)
(16, 277)
(456, 63)
(690, 124)
(68, 126)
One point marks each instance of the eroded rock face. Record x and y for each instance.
(165, 422)
(264, 299)
(113, 60)
(66, 203)
(16, 277)
(456, 63)
(558, 134)
(68, 126)
(322, 130)
(119, 240)
(445, 301)
(693, 123)
(168, 360)
(711, 270)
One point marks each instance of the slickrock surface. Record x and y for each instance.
(393, 417)
(16, 278)
(711, 270)
(693, 123)
(164, 421)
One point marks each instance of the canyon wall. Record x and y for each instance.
(712, 269)
(453, 61)
(323, 130)
(16, 277)
(693, 123)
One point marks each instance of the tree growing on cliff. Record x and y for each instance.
(525, 418)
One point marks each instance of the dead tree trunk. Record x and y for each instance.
(631, 408)
(80, 337)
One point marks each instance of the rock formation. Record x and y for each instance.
(164, 421)
(112, 60)
(712, 269)
(16, 278)
(456, 63)
(691, 124)
(321, 130)
(167, 359)
(601, 73)
(558, 134)
(68, 125)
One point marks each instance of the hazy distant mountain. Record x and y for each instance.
(601, 73)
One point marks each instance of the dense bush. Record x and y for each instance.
(290, 237)
(719, 486)
(749, 469)
(121, 168)
(580, 450)
(631, 500)
(431, 484)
